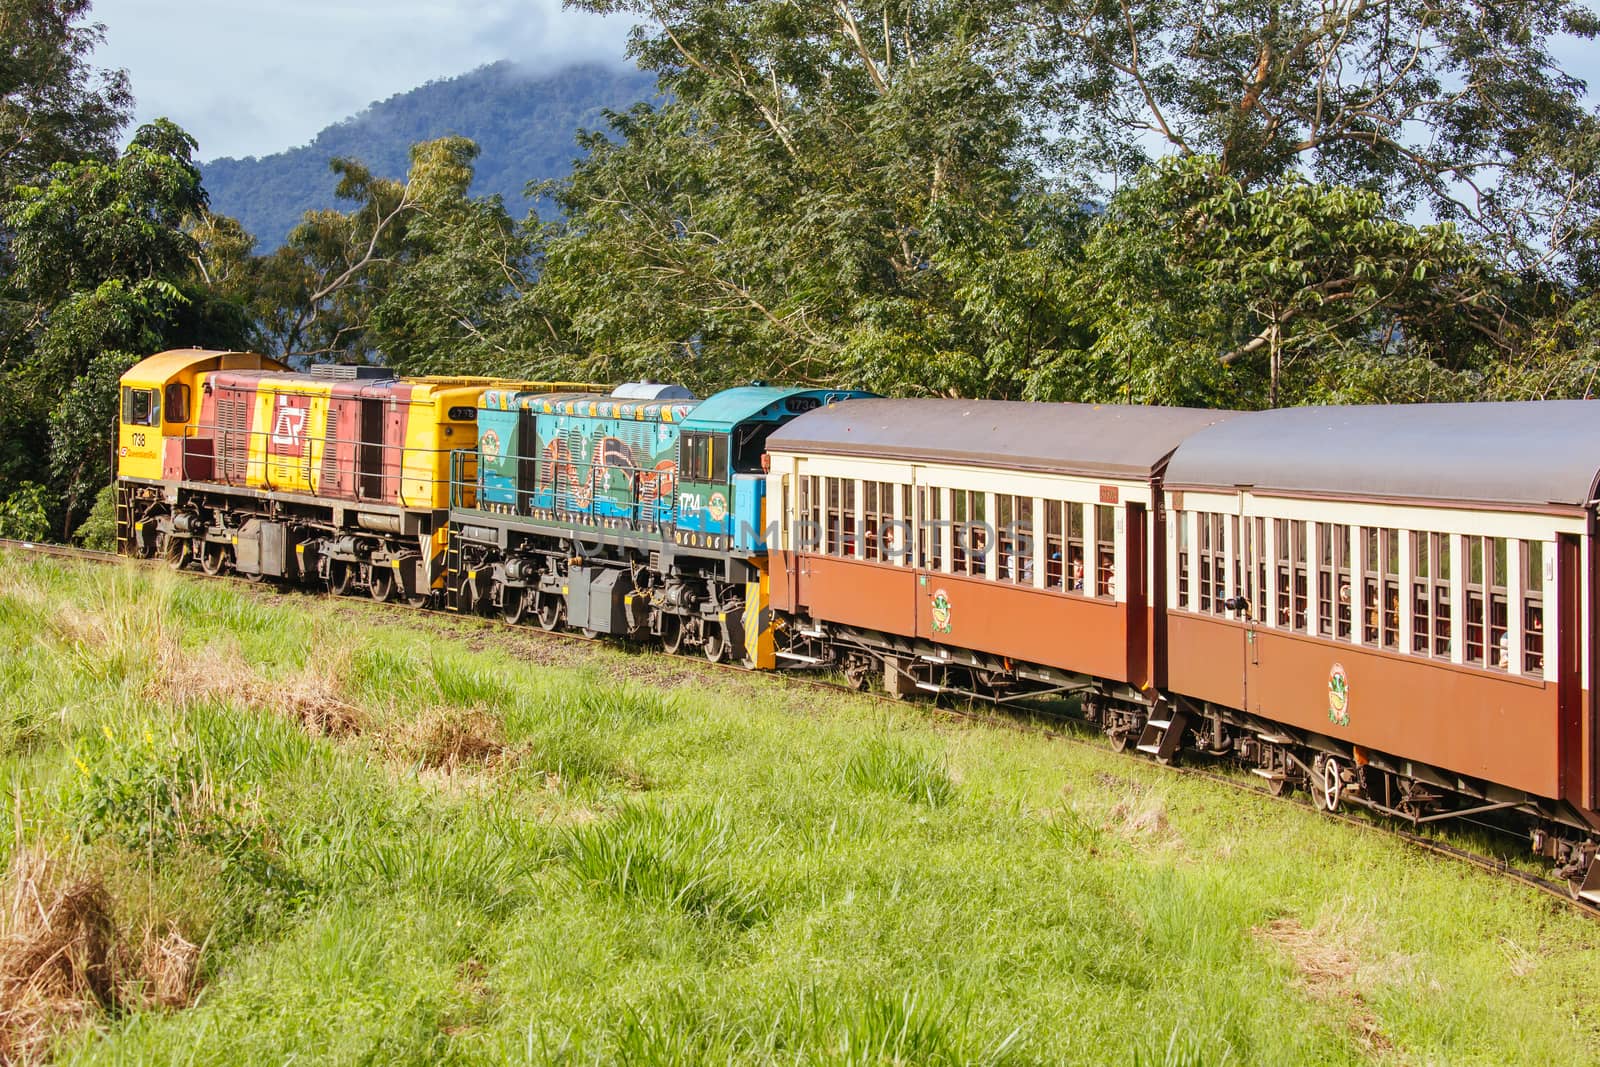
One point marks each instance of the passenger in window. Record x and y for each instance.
(1502, 658)
(1075, 571)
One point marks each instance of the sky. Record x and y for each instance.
(252, 77)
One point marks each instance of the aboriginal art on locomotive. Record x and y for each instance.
(581, 458)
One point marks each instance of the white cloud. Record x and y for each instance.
(250, 78)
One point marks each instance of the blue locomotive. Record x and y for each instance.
(639, 511)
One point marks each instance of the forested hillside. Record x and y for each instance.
(525, 126)
(1161, 202)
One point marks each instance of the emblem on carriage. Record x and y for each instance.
(1338, 696)
(941, 612)
(718, 506)
(489, 445)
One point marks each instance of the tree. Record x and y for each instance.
(106, 272)
(417, 272)
(55, 106)
(1199, 290)
(832, 194)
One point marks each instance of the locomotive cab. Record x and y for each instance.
(158, 405)
(722, 481)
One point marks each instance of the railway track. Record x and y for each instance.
(1044, 722)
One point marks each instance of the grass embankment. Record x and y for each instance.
(249, 829)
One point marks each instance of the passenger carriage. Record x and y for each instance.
(978, 546)
(1409, 590)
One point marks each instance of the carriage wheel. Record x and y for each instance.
(714, 643)
(178, 552)
(1332, 787)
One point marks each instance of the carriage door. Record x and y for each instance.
(369, 451)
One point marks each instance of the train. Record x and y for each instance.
(1389, 607)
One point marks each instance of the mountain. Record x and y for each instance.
(524, 124)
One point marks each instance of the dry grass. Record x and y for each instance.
(218, 672)
(449, 739)
(1329, 969)
(64, 958)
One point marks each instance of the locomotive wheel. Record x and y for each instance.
(176, 551)
(1279, 786)
(418, 599)
(340, 577)
(381, 584)
(672, 634)
(514, 605)
(1119, 740)
(213, 558)
(1331, 787)
(714, 643)
(468, 602)
(550, 611)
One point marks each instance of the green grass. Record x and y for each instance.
(443, 845)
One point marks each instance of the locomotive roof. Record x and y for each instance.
(1522, 453)
(724, 410)
(1109, 440)
(602, 406)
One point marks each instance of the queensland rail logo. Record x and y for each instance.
(1338, 696)
(941, 612)
(489, 445)
(718, 506)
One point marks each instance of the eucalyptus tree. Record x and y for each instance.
(830, 192)
(1457, 111)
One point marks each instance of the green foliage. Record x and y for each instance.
(107, 273)
(750, 909)
(99, 528)
(1457, 109)
(1293, 292)
(893, 768)
(156, 796)
(54, 106)
(24, 514)
(674, 859)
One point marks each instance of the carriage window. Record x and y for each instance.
(839, 515)
(1213, 565)
(1380, 587)
(1055, 544)
(1077, 565)
(808, 534)
(1014, 524)
(1105, 551)
(899, 544)
(971, 532)
(177, 402)
(1182, 536)
(140, 407)
(1488, 638)
(1291, 573)
(1533, 607)
(1334, 597)
(1253, 549)
(880, 537)
(1430, 594)
(930, 531)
